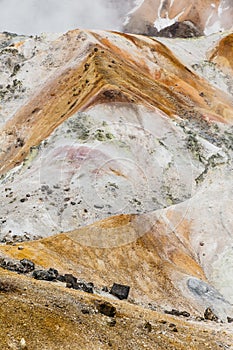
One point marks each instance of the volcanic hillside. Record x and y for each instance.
(179, 18)
(116, 167)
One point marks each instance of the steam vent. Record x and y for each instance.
(116, 181)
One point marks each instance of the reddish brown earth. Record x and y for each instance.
(222, 54)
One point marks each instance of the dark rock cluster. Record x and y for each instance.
(46, 275)
(177, 313)
(72, 282)
(22, 266)
(26, 266)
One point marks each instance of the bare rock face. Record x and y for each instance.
(184, 29)
(222, 54)
(179, 18)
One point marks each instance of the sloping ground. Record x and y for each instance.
(164, 256)
(114, 159)
(143, 128)
(47, 316)
(121, 126)
(222, 54)
(206, 58)
(119, 252)
(122, 73)
(181, 18)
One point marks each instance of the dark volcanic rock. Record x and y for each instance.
(106, 308)
(85, 287)
(177, 313)
(71, 282)
(22, 266)
(173, 327)
(180, 30)
(148, 326)
(46, 275)
(28, 265)
(61, 278)
(15, 266)
(120, 291)
(184, 29)
(210, 315)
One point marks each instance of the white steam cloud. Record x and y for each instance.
(37, 16)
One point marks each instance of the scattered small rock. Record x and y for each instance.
(177, 313)
(22, 200)
(86, 66)
(148, 326)
(198, 318)
(173, 327)
(85, 311)
(71, 282)
(111, 322)
(98, 206)
(85, 287)
(229, 319)
(162, 321)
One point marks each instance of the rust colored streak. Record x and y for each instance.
(223, 53)
(118, 173)
(111, 75)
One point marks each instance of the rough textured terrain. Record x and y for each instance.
(52, 317)
(116, 151)
(179, 18)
